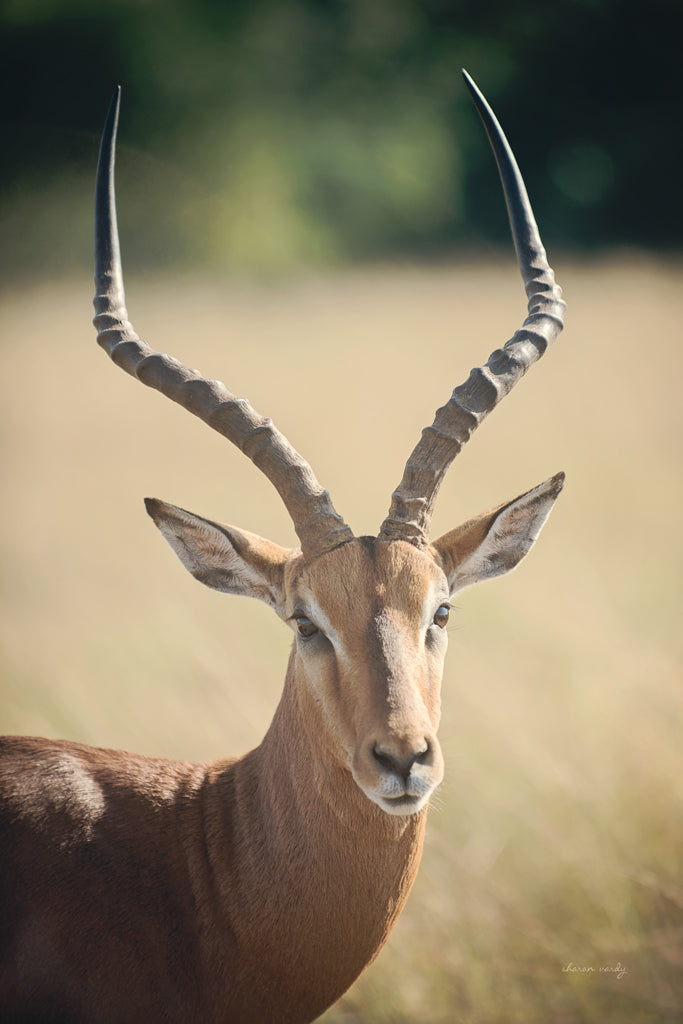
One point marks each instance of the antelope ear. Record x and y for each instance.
(224, 558)
(495, 542)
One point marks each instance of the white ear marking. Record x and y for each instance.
(508, 536)
(224, 558)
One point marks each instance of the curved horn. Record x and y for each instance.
(317, 524)
(413, 501)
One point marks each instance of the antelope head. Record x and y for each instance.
(368, 614)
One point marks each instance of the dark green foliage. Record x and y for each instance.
(270, 133)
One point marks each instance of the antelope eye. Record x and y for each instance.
(305, 626)
(441, 617)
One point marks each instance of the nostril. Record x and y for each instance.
(424, 755)
(401, 763)
(386, 759)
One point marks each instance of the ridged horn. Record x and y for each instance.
(412, 504)
(318, 525)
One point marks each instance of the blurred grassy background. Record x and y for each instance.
(556, 837)
(320, 169)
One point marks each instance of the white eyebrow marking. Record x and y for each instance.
(436, 596)
(318, 616)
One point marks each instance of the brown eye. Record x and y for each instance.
(305, 626)
(441, 617)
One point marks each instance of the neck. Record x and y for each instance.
(323, 873)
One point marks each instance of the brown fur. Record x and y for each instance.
(251, 890)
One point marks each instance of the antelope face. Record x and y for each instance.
(370, 631)
(369, 619)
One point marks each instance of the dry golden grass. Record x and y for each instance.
(556, 837)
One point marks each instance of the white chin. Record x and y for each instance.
(400, 805)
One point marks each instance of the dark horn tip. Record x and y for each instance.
(471, 84)
(109, 132)
(115, 99)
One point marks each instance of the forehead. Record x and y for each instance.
(366, 575)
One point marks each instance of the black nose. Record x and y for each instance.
(401, 763)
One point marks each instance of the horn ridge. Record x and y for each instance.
(319, 527)
(412, 503)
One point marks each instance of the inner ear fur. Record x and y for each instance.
(495, 542)
(224, 558)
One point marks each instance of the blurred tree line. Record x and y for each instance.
(263, 134)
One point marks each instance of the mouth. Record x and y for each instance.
(401, 805)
